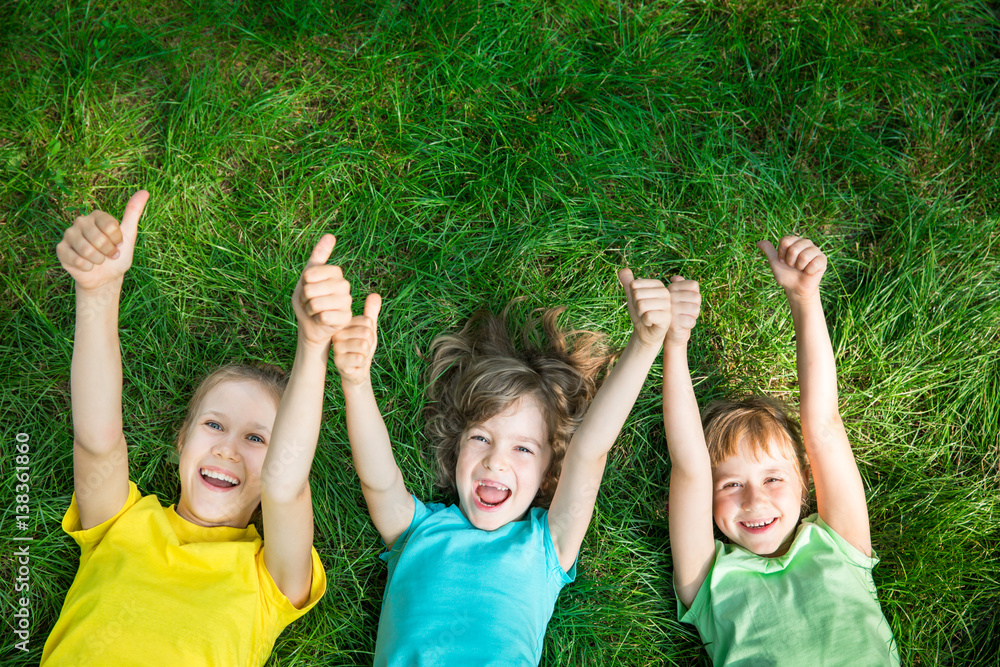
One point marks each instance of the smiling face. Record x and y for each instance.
(223, 452)
(757, 501)
(502, 463)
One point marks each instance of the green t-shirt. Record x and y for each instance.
(815, 606)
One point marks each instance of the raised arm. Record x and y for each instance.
(322, 304)
(798, 266)
(389, 504)
(97, 251)
(583, 467)
(692, 545)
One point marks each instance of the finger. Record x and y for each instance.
(373, 306)
(677, 279)
(769, 251)
(130, 218)
(325, 279)
(332, 318)
(625, 277)
(817, 265)
(329, 302)
(806, 255)
(69, 257)
(646, 283)
(353, 339)
(322, 251)
(78, 242)
(784, 244)
(95, 234)
(795, 250)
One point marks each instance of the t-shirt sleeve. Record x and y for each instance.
(420, 512)
(848, 550)
(702, 599)
(561, 576)
(280, 607)
(91, 537)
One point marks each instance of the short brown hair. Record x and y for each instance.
(480, 371)
(756, 424)
(271, 379)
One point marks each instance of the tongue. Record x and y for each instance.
(221, 483)
(492, 496)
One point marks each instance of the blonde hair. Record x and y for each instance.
(480, 371)
(757, 425)
(269, 377)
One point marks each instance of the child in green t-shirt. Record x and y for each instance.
(783, 591)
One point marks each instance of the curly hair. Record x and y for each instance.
(480, 371)
(758, 424)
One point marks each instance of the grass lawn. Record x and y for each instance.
(469, 152)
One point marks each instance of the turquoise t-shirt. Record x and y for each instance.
(458, 595)
(815, 606)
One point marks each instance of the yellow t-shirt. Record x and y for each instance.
(156, 589)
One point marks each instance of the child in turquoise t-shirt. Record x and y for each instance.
(475, 583)
(783, 591)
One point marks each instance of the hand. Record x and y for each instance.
(685, 305)
(354, 345)
(97, 250)
(797, 264)
(322, 297)
(648, 306)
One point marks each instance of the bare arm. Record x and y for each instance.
(692, 544)
(798, 266)
(97, 251)
(322, 303)
(389, 503)
(583, 467)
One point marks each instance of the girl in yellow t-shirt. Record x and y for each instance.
(191, 584)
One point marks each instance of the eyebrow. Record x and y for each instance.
(257, 426)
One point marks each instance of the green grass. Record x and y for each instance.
(466, 153)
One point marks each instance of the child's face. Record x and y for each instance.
(756, 504)
(502, 463)
(223, 454)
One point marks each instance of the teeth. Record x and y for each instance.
(757, 524)
(218, 475)
(494, 485)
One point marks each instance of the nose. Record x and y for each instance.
(494, 461)
(752, 497)
(225, 448)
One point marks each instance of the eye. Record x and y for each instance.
(731, 485)
(522, 448)
(255, 438)
(772, 479)
(479, 438)
(214, 425)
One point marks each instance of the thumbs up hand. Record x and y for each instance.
(322, 297)
(97, 249)
(648, 307)
(354, 345)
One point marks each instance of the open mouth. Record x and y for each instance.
(758, 526)
(219, 480)
(490, 495)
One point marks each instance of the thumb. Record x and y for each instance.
(768, 250)
(625, 277)
(130, 218)
(322, 251)
(373, 306)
